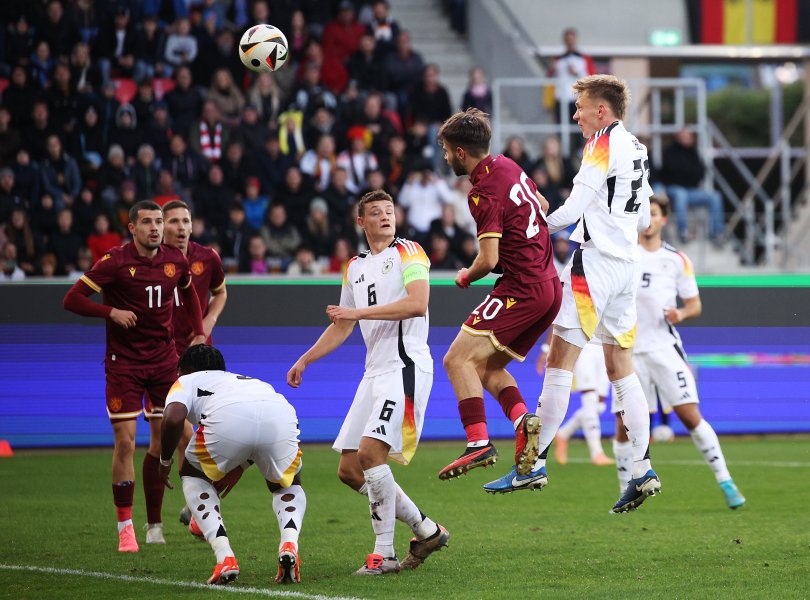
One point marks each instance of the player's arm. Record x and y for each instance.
(572, 210)
(192, 304)
(171, 429)
(215, 306)
(332, 337)
(691, 309)
(77, 300)
(483, 264)
(414, 304)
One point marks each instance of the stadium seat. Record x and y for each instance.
(125, 89)
(3, 84)
(162, 86)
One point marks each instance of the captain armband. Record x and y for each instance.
(414, 272)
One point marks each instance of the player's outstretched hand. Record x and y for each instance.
(197, 339)
(294, 374)
(336, 313)
(463, 278)
(225, 485)
(124, 318)
(163, 473)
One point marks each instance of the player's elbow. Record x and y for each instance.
(419, 309)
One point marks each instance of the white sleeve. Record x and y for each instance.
(573, 209)
(346, 292)
(181, 392)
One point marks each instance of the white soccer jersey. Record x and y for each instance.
(206, 392)
(372, 279)
(611, 194)
(665, 274)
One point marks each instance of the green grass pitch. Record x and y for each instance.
(56, 513)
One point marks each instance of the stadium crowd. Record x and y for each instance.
(107, 102)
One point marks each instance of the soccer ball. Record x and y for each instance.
(263, 48)
(662, 433)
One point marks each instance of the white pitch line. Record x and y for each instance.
(169, 582)
(787, 464)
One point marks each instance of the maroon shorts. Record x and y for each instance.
(132, 390)
(514, 321)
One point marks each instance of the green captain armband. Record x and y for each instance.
(414, 272)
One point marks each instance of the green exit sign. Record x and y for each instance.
(665, 37)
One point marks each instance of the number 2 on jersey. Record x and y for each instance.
(522, 192)
(643, 169)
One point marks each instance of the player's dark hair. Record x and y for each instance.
(662, 201)
(469, 129)
(139, 206)
(609, 88)
(200, 358)
(373, 196)
(175, 204)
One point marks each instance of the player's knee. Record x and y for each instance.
(351, 478)
(452, 360)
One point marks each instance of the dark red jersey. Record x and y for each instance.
(504, 203)
(207, 274)
(146, 287)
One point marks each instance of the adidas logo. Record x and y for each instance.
(362, 278)
(380, 430)
(685, 396)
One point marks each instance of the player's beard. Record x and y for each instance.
(457, 166)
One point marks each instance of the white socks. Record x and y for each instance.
(382, 495)
(636, 417)
(706, 441)
(203, 500)
(551, 407)
(589, 417)
(623, 453)
(289, 504)
(407, 512)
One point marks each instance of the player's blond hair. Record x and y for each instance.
(373, 196)
(611, 89)
(469, 129)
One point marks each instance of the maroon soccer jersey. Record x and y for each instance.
(146, 287)
(207, 274)
(503, 201)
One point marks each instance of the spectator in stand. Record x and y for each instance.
(167, 191)
(83, 18)
(41, 64)
(83, 264)
(85, 210)
(375, 180)
(265, 95)
(210, 135)
(396, 164)
(430, 102)
(44, 217)
(567, 68)
(115, 46)
(213, 200)
(441, 258)
(126, 133)
(19, 232)
(65, 243)
(60, 174)
(295, 194)
(27, 180)
(35, 136)
(255, 204)
(56, 30)
(20, 42)
(251, 131)
(158, 132)
(19, 98)
(469, 249)
(124, 203)
(199, 231)
(320, 162)
(185, 166)
(404, 229)
(102, 239)
(107, 105)
(477, 95)
(366, 68)
(271, 164)
(358, 159)
(235, 238)
(681, 177)
(280, 236)
(291, 134)
(181, 47)
(112, 174)
(47, 265)
(11, 270)
(145, 173)
(461, 192)
(553, 174)
(10, 138)
(185, 102)
(62, 100)
(379, 124)
(342, 253)
(311, 93)
(297, 37)
(419, 146)
(144, 102)
(333, 74)
(384, 29)
(341, 36)
(85, 75)
(237, 166)
(339, 198)
(323, 122)
(87, 143)
(447, 227)
(423, 196)
(319, 233)
(227, 96)
(9, 199)
(516, 150)
(150, 50)
(304, 262)
(221, 54)
(403, 71)
(257, 250)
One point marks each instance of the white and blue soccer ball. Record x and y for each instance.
(263, 48)
(662, 433)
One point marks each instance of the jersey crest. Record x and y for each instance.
(197, 268)
(169, 269)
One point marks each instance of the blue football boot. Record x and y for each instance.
(512, 482)
(637, 491)
(734, 499)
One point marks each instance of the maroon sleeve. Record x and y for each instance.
(217, 272)
(192, 304)
(487, 211)
(77, 300)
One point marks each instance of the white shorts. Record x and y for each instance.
(665, 375)
(389, 407)
(590, 372)
(599, 298)
(264, 432)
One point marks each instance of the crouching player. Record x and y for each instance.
(240, 420)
